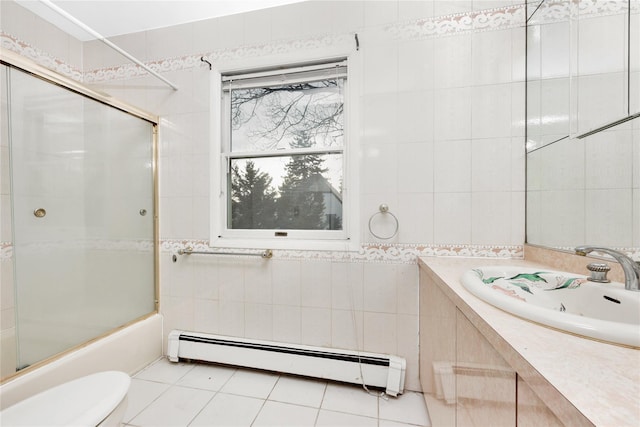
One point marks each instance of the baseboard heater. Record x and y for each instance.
(378, 370)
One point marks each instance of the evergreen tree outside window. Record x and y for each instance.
(283, 147)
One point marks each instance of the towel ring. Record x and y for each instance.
(384, 209)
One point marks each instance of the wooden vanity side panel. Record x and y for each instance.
(437, 352)
(485, 383)
(532, 412)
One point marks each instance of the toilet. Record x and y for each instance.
(95, 400)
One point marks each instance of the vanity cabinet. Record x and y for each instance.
(531, 411)
(464, 380)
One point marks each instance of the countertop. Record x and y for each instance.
(582, 381)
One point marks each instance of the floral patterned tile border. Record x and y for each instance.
(369, 252)
(552, 11)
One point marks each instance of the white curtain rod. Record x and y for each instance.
(98, 36)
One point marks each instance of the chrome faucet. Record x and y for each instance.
(629, 266)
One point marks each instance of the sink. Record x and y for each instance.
(565, 301)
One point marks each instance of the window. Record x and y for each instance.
(284, 157)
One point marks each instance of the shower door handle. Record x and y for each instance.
(39, 213)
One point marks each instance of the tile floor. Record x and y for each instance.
(191, 394)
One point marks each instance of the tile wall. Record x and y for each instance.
(442, 143)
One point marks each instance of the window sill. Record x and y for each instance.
(287, 244)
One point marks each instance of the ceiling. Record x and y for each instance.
(115, 17)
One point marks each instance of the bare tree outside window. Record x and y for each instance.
(291, 183)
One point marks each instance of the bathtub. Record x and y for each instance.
(127, 350)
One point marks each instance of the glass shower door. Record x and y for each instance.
(83, 209)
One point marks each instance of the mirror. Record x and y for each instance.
(583, 129)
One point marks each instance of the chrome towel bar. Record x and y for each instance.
(266, 254)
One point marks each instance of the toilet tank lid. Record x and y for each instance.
(85, 401)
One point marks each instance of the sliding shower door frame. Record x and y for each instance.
(13, 60)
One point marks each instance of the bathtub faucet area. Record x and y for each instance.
(630, 267)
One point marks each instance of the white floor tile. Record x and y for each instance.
(228, 410)
(299, 391)
(350, 399)
(278, 414)
(389, 423)
(141, 394)
(250, 383)
(340, 419)
(406, 408)
(176, 407)
(207, 377)
(164, 371)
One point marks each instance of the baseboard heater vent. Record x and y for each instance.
(378, 370)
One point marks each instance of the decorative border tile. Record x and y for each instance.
(6, 250)
(484, 20)
(369, 252)
(22, 48)
(552, 11)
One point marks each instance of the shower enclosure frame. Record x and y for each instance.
(15, 61)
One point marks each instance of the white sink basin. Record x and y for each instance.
(566, 301)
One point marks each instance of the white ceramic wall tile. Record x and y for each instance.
(407, 288)
(316, 326)
(453, 115)
(206, 316)
(258, 321)
(564, 224)
(452, 62)
(491, 217)
(257, 26)
(380, 67)
(409, 10)
(609, 159)
(287, 324)
(380, 331)
(491, 111)
(205, 277)
(380, 288)
(608, 217)
(452, 166)
(451, 7)
(415, 116)
(350, 399)
(407, 340)
(347, 280)
(177, 313)
(491, 164)
(492, 4)
(534, 51)
(379, 169)
(232, 318)
(566, 169)
(286, 282)
(315, 285)
(231, 279)
(200, 219)
(554, 109)
(177, 406)
(228, 409)
(415, 62)
(380, 116)
(298, 391)
(383, 226)
(257, 281)
(452, 218)
(555, 48)
(351, 15)
(491, 57)
(603, 99)
(415, 167)
(518, 215)
(518, 54)
(601, 44)
(347, 329)
(415, 217)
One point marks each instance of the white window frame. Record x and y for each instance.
(347, 239)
